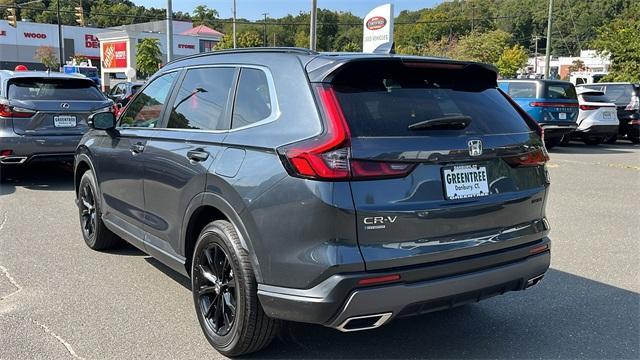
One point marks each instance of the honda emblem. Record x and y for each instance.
(475, 147)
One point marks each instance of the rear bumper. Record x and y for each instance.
(557, 129)
(599, 130)
(338, 300)
(38, 148)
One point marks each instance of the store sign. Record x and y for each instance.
(186, 46)
(378, 30)
(33, 35)
(114, 54)
(91, 41)
(3, 32)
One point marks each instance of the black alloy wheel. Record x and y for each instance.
(88, 211)
(217, 290)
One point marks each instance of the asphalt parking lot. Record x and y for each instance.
(59, 299)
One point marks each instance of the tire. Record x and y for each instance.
(593, 140)
(611, 139)
(95, 233)
(226, 303)
(634, 140)
(551, 143)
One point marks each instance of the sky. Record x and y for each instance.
(253, 9)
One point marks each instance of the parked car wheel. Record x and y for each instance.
(593, 140)
(551, 143)
(95, 233)
(634, 140)
(611, 139)
(225, 293)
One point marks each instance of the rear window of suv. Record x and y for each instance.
(564, 91)
(383, 99)
(53, 89)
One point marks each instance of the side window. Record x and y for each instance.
(202, 99)
(522, 90)
(146, 109)
(253, 100)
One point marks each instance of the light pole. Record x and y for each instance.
(265, 29)
(60, 41)
(547, 58)
(234, 24)
(314, 24)
(169, 31)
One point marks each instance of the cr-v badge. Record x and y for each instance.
(475, 147)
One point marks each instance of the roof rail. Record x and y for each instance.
(291, 50)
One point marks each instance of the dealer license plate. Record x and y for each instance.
(562, 116)
(64, 121)
(465, 181)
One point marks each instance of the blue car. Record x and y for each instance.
(552, 103)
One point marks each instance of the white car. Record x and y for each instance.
(597, 117)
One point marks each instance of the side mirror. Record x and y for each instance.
(102, 121)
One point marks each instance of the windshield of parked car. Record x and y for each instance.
(53, 89)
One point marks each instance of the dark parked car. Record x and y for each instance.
(626, 96)
(552, 103)
(43, 115)
(123, 92)
(337, 189)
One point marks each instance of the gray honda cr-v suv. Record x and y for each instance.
(337, 189)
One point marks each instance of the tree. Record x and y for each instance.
(148, 56)
(512, 60)
(620, 40)
(202, 15)
(576, 65)
(249, 39)
(484, 47)
(47, 56)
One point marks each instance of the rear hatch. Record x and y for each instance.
(627, 100)
(559, 102)
(53, 106)
(441, 164)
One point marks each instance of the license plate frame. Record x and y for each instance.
(471, 186)
(562, 116)
(65, 121)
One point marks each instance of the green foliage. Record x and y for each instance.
(148, 56)
(511, 60)
(484, 47)
(47, 56)
(244, 39)
(576, 65)
(620, 40)
(202, 15)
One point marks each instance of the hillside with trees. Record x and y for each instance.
(495, 31)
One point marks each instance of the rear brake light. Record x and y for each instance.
(551, 104)
(328, 156)
(379, 279)
(589, 107)
(634, 122)
(11, 111)
(536, 157)
(6, 152)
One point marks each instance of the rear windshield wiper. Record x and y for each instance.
(452, 122)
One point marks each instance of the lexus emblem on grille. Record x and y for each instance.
(64, 105)
(475, 147)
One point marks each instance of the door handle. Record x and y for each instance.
(137, 148)
(197, 155)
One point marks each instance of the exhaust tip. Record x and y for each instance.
(534, 281)
(13, 159)
(366, 322)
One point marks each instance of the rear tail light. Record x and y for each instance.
(589, 107)
(634, 122)
(6, 152)
(536, 157)
(11, 111)
(551, 104)
(328, 156)
(634, 104)
(379, 279)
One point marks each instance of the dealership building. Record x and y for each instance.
(18, 45)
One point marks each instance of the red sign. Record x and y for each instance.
(3, 32)
(376, 23)
(186, 46)
(114, 54)
(32, 35)
(91, 41)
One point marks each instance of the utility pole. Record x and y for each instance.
(547, 59)
(535, 64)
(60, 40)
(234, 24)
(265, 29)
(314, 24)
(169, 31)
